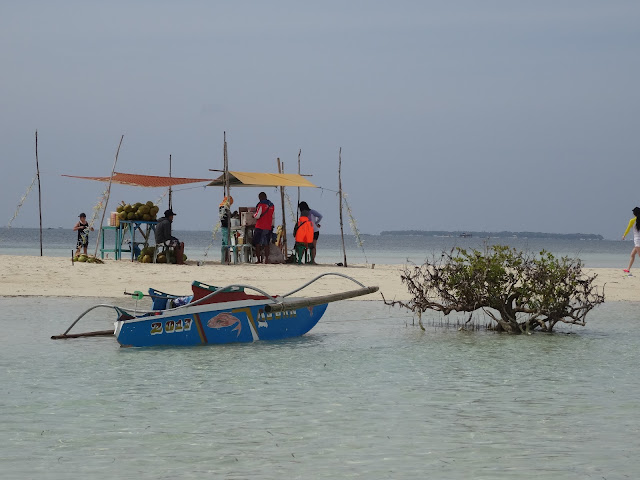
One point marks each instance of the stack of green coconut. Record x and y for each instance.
(138, 211)
(86, 259)
(146, 256)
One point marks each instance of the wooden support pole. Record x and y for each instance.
(284, 219)
(39, 192)
(227, 192)
(106, 201)
(170, 202)
(344, 250)
(298, 202)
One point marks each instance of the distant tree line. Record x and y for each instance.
(505, 234)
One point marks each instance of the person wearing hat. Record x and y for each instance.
(164, 237)
(83, 228)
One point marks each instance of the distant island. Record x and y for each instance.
(439, 233)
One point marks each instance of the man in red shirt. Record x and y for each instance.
(264, 226)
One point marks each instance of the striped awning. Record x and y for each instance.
(253, 179)
(143, 180)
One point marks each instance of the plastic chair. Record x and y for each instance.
(161, 248)
(302, 252)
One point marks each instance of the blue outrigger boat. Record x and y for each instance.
(217, 315)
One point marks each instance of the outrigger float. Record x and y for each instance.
(217, 315)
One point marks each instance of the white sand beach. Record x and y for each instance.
(57, 276)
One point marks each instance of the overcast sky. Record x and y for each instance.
(457, 115)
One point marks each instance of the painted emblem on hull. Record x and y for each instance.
(225, 319)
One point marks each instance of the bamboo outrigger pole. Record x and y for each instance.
(106, 201)
(294, 304)
(344, 251)
(39, 192)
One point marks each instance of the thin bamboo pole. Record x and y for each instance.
(344, 250)
(227, 191)
(284, 218)
(298, 202)
(106, 201)
(39, 193)
(170, 202)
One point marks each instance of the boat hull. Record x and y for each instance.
(230, 322)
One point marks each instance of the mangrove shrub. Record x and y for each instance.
(520, 291)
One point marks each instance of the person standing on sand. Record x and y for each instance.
(314, 217)
(83, 228)
(224, 212)
(262, 232)
(635, 224)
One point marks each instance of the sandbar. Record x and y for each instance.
(23, 276)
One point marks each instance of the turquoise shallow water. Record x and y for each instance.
(364, 395)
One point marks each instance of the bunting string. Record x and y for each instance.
(22, 200)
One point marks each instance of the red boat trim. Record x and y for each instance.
(203, 336)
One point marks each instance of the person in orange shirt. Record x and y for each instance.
(303, 234)
(314, 217)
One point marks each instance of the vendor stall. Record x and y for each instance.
(130, 236)
(254, 179)
(133, 234)
(241, 237)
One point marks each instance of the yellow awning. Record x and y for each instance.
(253, 179)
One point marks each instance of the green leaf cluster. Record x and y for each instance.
(521, 291)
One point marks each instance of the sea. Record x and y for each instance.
(366, 394)
(361, 249)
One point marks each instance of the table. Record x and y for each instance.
(130, 227)
(117, 242)
(242, 252)
(238, 253)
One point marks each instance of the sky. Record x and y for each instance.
(450, 115)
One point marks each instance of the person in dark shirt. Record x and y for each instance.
(164, 237)
(225, 218)
(83, 228)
